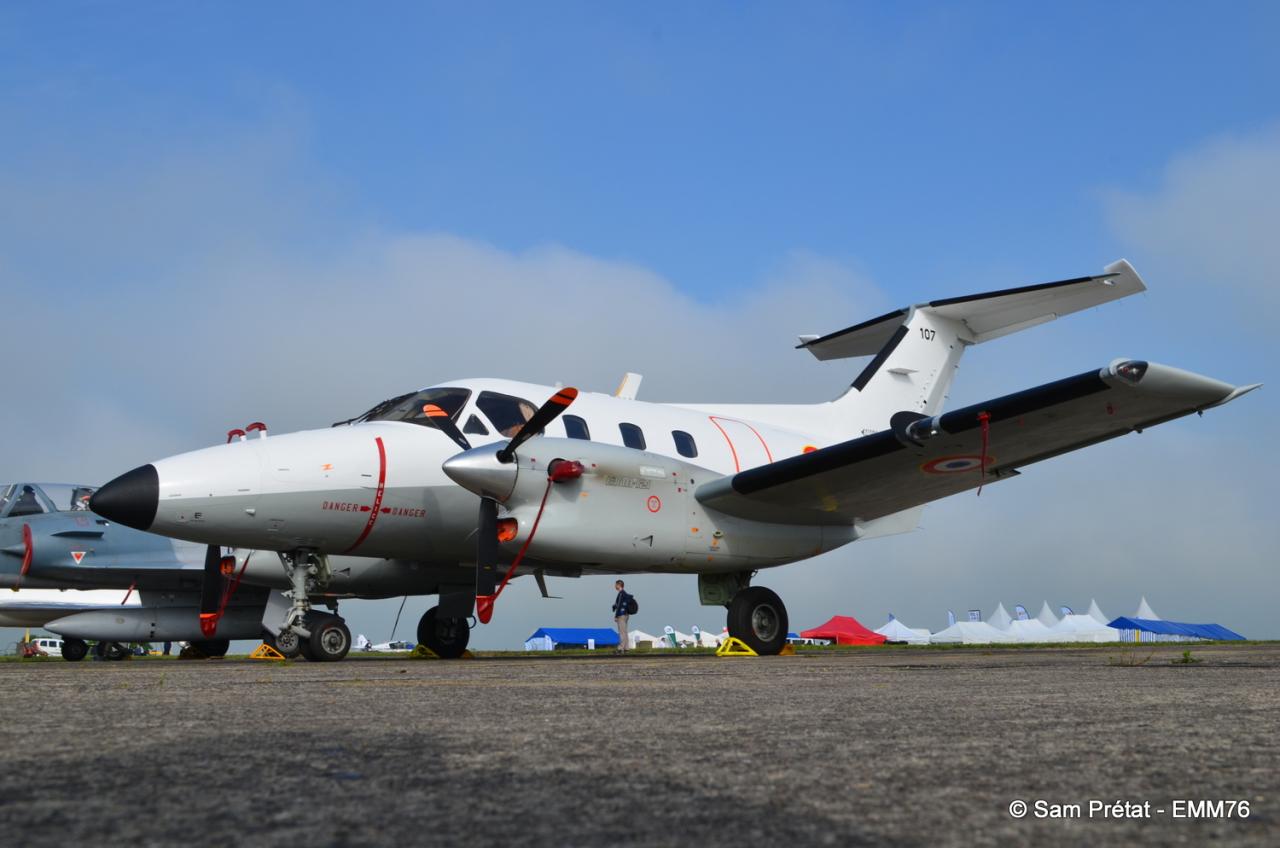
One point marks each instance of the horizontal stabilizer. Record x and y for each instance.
(983, 317)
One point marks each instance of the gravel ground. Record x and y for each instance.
(899, 745)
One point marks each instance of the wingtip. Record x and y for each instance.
(1238, 391)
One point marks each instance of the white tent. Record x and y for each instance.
(895, 631)
(1000, 619)
(1030, 630)
(1095, 613)
(1083, 628)
(1145, 611)
(970, 633)
(635, 637)
(707, 640)
(1046, 616)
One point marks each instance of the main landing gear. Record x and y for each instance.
(757, 617)
(756, 614)
(446, 637)
(74, 650)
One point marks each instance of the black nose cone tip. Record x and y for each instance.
(130, 499)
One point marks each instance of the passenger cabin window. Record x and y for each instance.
(506, 413)
(632, 436)
(409, 407)
(576, 428)
(685, 445)
(475, 426)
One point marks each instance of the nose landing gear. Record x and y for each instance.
(318, 636)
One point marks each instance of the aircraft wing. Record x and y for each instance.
(920, 459)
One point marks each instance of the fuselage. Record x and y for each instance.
(375, 488)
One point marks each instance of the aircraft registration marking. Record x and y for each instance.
(626, 482)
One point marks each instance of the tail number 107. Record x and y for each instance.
(927, 334)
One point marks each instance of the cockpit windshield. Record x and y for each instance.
(507, 413)
(409, 407)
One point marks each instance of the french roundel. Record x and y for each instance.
(955, 464)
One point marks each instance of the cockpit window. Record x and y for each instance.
(67, 498)
(475, 427)
(409, 407)
(26, 503)
(7, 496)
(506, 413)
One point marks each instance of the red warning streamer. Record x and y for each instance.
(984, 419)
(484, 603)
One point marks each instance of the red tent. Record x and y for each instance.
(844, 630)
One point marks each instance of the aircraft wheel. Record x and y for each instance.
(213, 648)
(330, 640)
(447, 637)
(289, 644)
(110, 651)
(758, 617)
(74, 650)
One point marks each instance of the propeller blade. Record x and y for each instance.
(547, 413)
(444, 423)
(486, 558)
(211, 591)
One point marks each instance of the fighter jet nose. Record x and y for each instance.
(130, 499)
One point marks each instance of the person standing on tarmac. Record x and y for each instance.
(623, 606)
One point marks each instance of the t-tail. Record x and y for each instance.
(915, 351)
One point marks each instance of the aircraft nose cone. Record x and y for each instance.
(130, 499)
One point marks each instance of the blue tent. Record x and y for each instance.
(1155, 630)
(550, 638)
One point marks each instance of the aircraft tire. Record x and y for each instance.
(446, 637)
(758, 617)
(212, 648)
(330, 640)
(289, 645)
(74, 650)
(110, 651)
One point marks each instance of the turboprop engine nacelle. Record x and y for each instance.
(628, 508)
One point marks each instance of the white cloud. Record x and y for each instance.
(1212, 221)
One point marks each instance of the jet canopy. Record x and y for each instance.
(19, 499)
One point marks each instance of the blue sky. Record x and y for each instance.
(183, 184)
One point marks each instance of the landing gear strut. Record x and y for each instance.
(446, 637)
(757, 617)
(306, 571)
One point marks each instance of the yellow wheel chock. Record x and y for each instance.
(735, 647)
(266, 652)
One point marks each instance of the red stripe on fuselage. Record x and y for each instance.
(377, 497)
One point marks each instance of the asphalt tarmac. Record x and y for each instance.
(898, 745)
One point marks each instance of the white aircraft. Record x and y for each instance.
(623, 486)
